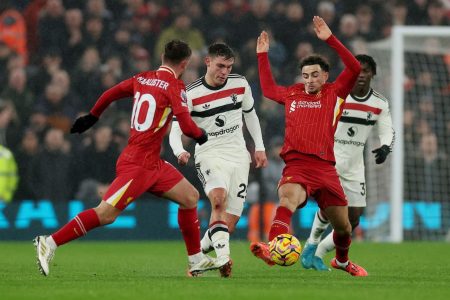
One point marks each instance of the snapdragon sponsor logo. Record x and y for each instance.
(347, 142)
(224, 131)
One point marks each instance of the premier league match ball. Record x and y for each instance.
(285, 249)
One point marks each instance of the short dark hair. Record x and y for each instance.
(221, 49)
(366, 59)
(315, 60)
(176, 51)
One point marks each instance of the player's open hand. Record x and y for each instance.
(321, 28)
(183, 158)
(260, 159)
(262, 43)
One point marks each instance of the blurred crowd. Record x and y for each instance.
(58, 56)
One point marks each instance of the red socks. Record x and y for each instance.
(281, 223)
(79, 226)
(190, 229)
(342, 244)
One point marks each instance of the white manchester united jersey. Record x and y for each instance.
(219, 111)
(360, 115)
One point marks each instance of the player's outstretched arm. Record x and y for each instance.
(268, 85)
(321, 28)
(348, 76)
(262, 43)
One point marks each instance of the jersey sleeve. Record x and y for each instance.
(270, 89)
(247, 101)
(386, 132)
(178, 98)
(347, 78)
(120, 90)
(175, 141)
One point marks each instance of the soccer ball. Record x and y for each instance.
(285, 249)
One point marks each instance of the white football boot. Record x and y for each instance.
(45, 254)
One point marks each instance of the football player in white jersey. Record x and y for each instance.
(364, 109)
(217, 102)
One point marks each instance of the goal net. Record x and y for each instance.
(408, 197)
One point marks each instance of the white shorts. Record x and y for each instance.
(355, 192)
(232, 176)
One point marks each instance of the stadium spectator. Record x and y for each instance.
(181, 28)
(19, 94)
(27, 150)
(74, 47)
(13, 29)
(8, 175)
(308, 148)
(50, 170)
(51, 27)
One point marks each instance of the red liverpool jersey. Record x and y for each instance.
(157, 96)
(311, 119)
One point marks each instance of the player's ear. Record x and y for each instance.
(326, 75)
(207, 61)
(184, 63)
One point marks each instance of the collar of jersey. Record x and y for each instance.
(167, 69)
(214, 88)
(364, 98)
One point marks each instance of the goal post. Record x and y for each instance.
(398, 58)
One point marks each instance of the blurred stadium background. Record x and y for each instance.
(58, 56)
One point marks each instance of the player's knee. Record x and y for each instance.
(354, 223)
(191, 199)
(344, 230)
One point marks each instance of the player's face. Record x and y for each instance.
(313, 78)
(364, 77)
(218, 69)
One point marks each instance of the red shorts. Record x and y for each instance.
(133, 180)
(318, 177)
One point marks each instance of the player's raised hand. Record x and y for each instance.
(260, 159)
(83, 123)
(262, 43)
(183, 158)
(321, 28)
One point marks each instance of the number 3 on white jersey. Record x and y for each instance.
(148, 121)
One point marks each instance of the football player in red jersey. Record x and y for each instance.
(312, 111)
(158, 95)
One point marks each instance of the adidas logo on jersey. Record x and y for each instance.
(206, 106)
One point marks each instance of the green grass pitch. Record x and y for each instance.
(156, 270)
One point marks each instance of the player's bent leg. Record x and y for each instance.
(183, 193)
(292, 196)
(107, 213)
